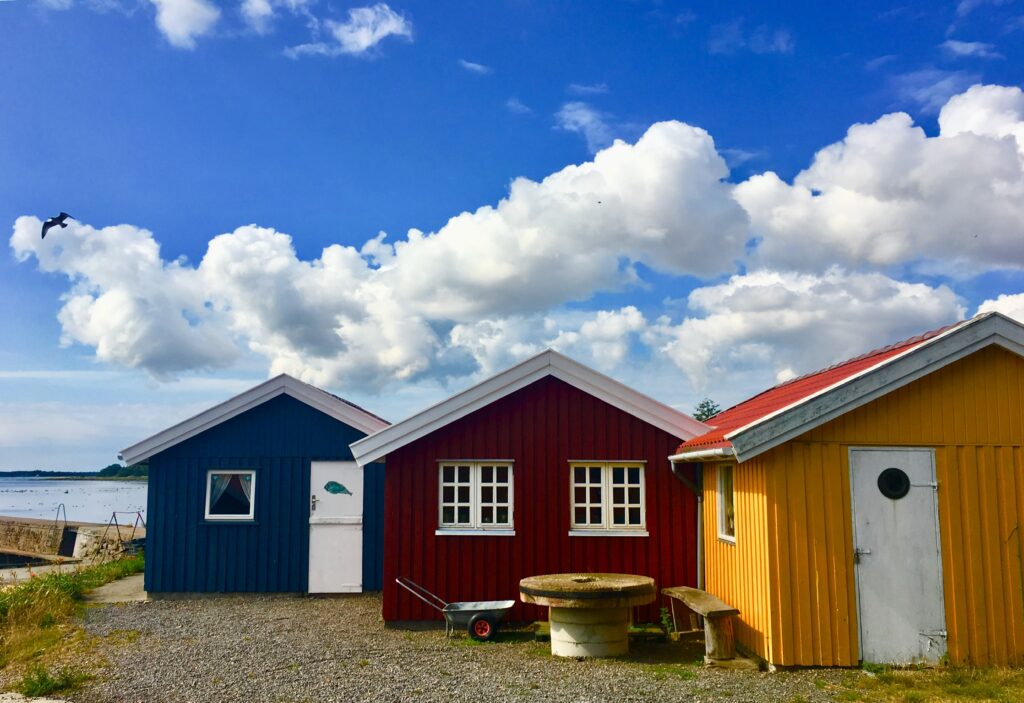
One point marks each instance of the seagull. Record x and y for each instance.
(55, 221)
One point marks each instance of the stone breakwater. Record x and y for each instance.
(30, 536)
(59, 539)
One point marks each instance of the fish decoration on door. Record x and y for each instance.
(336, 488)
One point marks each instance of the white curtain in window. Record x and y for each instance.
(246, 481)
(218, 484)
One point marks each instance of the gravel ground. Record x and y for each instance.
(258, 649)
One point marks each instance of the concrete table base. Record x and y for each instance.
(589, 613)
(578, 632)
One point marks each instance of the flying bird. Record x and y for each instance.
(60, 220)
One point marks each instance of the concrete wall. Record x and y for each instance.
(34, 536)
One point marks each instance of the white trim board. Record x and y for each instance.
(279, 385)
(861, 388)
(547, 363)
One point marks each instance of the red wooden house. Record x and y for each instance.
(546, 467)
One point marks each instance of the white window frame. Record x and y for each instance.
(476, 526)
(252, 499)
(720, 502)
(608, 528)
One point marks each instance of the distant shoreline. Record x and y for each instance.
(73, 477)
(70, 476)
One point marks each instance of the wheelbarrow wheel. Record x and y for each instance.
(483, 627)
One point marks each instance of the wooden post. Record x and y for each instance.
(718, 638)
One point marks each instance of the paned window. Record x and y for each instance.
(607, 496)
(476, 495)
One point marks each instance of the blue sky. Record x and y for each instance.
(674, 261)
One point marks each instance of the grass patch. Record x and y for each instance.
(35, 613)
(950, 685)
(38, 681)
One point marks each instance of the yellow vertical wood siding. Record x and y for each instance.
(813, 598)
(971, 413)
(732, 571)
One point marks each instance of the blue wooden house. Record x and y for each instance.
(261, 494)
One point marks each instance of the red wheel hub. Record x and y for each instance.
(482, 628)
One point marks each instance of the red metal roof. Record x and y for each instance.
(785, 394)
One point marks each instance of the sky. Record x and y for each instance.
(395, 200)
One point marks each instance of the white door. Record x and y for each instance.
(897, 555)
(335, 527)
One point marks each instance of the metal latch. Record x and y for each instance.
(933, 638)
(857, 553)
(312, 503)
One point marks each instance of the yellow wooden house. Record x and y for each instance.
(872, 511)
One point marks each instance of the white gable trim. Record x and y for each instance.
(547, 363)
(279, 385)
(872, 383)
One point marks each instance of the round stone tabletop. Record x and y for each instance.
(588, 590)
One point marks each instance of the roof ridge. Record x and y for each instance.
(346, 401)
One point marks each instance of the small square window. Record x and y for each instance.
(229, 494)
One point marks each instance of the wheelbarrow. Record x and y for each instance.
(480, 618)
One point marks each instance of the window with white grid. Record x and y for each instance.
(456, 495)
(475, 495)
(627, 489)
(607, 496)
(587, 496)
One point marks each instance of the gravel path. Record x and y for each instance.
(256, 649)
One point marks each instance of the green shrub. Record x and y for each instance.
(38, 681)
(666, 621)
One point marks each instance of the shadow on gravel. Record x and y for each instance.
(687, 651)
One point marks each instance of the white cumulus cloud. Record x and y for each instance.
(392, 311)
(494, 285)
(182, 21)
(767, 326)
(359, 35)
(1011, 305)
(134, 308)
(889, 194)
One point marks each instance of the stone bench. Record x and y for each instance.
(719, 643)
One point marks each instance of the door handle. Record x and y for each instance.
(858, 553)
(312, 504)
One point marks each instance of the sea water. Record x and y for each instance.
(84, 500)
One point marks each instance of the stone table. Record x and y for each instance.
(589, 613)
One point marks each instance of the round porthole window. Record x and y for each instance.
(894, 483)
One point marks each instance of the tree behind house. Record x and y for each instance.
(706, 409)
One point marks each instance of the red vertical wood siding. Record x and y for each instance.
(541, 428)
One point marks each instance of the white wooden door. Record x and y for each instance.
(335, 527)
(898, 561)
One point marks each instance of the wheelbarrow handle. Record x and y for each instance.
(420, 592)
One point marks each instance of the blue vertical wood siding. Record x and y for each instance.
(278, 440)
